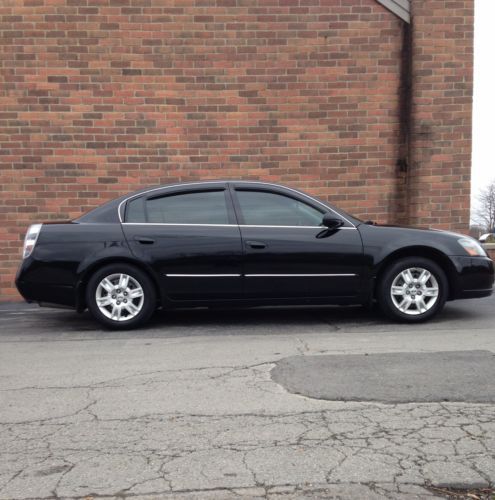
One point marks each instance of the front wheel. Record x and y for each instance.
(121, 296)
(412, 289)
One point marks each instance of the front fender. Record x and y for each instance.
(383, 242)
(383, 245)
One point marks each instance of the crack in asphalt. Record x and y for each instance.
(223, 430)
(384, 490)
(105, 383)
(395, 436)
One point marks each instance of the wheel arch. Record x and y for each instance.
(95, 266)
(431, 253)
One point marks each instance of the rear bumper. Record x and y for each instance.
(53, 294)
(475, 277)
(32, 283)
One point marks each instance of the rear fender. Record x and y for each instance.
(107, 256)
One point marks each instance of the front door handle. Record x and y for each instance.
(144, 241)
(259, 245)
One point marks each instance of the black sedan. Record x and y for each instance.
(242, 243)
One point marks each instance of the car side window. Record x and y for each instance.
(135, 211)
(263, 208)
(205, 207)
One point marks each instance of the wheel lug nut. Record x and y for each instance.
(118, 302)
(114, 297)
(125, 301)
(125, 293)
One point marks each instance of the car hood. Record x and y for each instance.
(398, 226)
(420, 228)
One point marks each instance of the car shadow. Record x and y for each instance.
(246, 321)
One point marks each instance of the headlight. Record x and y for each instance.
(30, 240)
(472, 247)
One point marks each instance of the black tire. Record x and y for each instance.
(147, 304)
(389, 275)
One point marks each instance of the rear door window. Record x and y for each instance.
(199, 207)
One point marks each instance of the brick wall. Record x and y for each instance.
(442, 70)
(100, 97)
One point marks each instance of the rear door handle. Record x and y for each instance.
(144, 241)
(256, 244)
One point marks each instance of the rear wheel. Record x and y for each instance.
(412, 289)
(121, 296)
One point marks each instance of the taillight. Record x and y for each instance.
(30, 240)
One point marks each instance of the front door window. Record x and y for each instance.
(262, 208)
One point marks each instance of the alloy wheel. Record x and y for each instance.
(119, 297)
(414, 291)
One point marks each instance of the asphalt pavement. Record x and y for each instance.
(192, 406)
(395, 377)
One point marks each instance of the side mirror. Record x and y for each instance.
(332, 222)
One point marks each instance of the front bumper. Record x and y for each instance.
(474, 277)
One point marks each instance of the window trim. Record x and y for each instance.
(122, 207)
(155, 196)
(228, 225)
(230, 186)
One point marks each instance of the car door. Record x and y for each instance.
(287, 253)
(189, 236)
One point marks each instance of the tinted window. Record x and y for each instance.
(135, 211)
(207, 207)
(269, 209)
